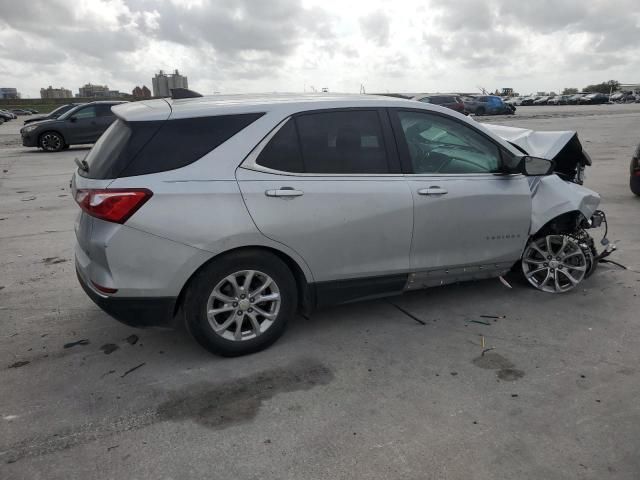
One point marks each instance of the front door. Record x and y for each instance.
(467, 214)
(83, 126)
(328, 185)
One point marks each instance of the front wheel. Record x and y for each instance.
(555, 263)
(51, 142)
(241, 303)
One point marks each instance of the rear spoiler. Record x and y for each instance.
(178, 93)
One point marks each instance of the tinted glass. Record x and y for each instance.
(342, 142)
(104, 110)
(86, 112)
(283, 151)
(139, 148)
(439, 145)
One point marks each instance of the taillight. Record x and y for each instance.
(113, 205)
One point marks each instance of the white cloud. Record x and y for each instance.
(287, 45)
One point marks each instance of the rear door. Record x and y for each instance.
(104, 118)
(466, 212)
(328, 185)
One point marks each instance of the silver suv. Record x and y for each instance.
(232, 213)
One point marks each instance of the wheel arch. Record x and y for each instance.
(306, 295)
(565, 222)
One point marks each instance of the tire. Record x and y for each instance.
(480, 111)
(51, 142)
(211, 290)
(555, 263)
(66, 147)
(634, 185)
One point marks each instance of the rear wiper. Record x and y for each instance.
(82, 164)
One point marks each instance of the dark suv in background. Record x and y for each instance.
(80, 125)
(453, 102)
(53, 114)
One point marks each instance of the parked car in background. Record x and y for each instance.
(80, 125)
(454, 102)
(575, 99)
(558, 100)
(517, 101)
(634, 181)
(145, 252)
(21, 111)
(486, 105)
(594, 99)
(542, 100)
(32, 110)
(6, 115)
(53, 114)
(527, 101)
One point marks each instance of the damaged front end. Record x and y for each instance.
(560, 252)
(563, 147)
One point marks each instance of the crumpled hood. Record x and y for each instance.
(537, 144)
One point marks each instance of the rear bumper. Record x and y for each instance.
(133, 311)
(634, 184)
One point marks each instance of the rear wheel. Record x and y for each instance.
(480, 111)
(555, 263)
(240, 303)
(51, 142)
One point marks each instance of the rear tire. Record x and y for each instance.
(480, 111)
(51, 142)
(240, 303)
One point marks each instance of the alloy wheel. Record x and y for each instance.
(51, 142)
(243, 305)
(555, 263)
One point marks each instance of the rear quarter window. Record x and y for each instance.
(139, 148)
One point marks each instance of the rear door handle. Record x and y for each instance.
(284, 192)
(433, 190)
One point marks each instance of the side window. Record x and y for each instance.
(437, 144)
(342, 142)
(86, 112)
(104, 110)
(283, 150)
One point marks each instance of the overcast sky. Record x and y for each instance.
(232, 46)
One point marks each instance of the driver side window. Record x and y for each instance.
(86, 112)
(439, 145)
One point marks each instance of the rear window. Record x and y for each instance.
(140, 148)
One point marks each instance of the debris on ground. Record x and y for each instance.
(132, 369)
(504, 282)
(27, 199)
(84, 341)
(487, 350)
(53, 260)
(132, 339)
(108, 348)
(19, 364)
(495, 317)
(108, 373)
(410, 315)
(480, 322)
(111, 448)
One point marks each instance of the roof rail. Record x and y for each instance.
(178, 93)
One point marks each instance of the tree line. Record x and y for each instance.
(604, 87)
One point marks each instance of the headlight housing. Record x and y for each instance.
(28, 128)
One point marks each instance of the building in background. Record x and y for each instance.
(90, 90)
(143, 92)
(51, 92)
(9, 93)
(163, 83)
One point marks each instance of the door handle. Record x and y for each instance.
(284, 192)
(433, 190)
